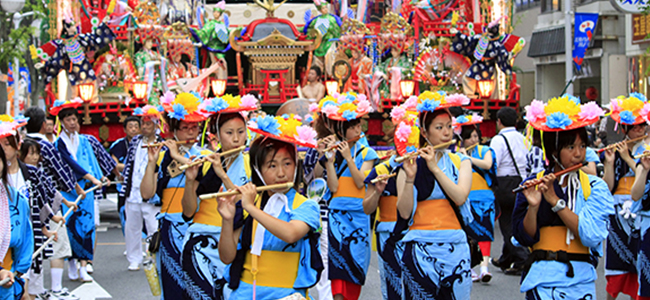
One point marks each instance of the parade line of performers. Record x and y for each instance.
(430, 204)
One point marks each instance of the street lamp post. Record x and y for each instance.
(18, 17)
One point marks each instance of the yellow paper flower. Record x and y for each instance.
(327, 98)
(564, 105)
(347, 106)
(189, 101)
(632, 104)
(6, 118)
(288, 127)
(233, 101)
(414, 138)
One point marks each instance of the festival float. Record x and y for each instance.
(118, 55)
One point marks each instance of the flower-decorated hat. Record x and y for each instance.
(220, 6)
(630, 110)
(344, 107)
(395, 32)
(430, 101)
(563, 113)
(286, 128)
(59, 105)
(464, 120)
(228, 104)
(407, 130)
(320, 3)
(149, 111)
(9, 124)
(183, 107)
(354, 35)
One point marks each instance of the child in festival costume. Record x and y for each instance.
(20, 247)
(623, 238)
(347, 169)
(164, 179)
(481, 196)
(640, 190)
(383, 196)
(32, 183)
(434, 228)
(277, 254)
(88, 160)
(137, 209)
(564, 220)
(200, 259)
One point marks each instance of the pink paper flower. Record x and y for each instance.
(313, 107)
(329, 110)
(592, 111)
(614, 105)
(457, 99)
(7, 127)
(645, 110)
(403, 132)
(77, 100)
(306, 134)
(477, 118)
(167, 98)
(248, 101)
(411, 102)
(362, 97)
(398, 113)
(363, 106)
(535, 111)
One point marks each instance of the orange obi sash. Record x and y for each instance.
(272, 268)
(624, 186)
(478, 182)
(435, 214)
(172, 200)
(553, 238)
(208, 213)
(8, 262)
(347, 188)
(388, 209)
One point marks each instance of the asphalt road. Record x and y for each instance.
(113, 280)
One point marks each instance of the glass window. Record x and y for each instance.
(551, 5)
(521, 5)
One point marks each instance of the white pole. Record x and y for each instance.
(568, 45)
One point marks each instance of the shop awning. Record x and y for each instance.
(547, 42)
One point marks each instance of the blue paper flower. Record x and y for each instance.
(197, 95)
(216, 105)
(462, 119)
(329, 102)
(268, 124)
(160, 108)
(20, 119)
(639, 96)
(285, 116)
(627, 117)
(573, 98)
(428, 105)
(58, 103)
(443, 93)
(178, 112)
(411, 149)
(138, 111)
(349, 115)
(558, 120)
(309, 119)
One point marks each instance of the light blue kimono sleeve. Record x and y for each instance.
(308, 212)
(592, 156)
(593, 218)
(466, 208)
(25, 248)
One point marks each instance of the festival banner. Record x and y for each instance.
(585, 25)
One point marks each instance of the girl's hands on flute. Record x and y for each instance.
(462, 151)
(645, 161)
(215, 160)
(153, 153)
(192, 172)
(610, 155)
(381, 185)
(429, 154)
(173, 149)
(248, 194)
(533, 195)
(410, 168)
(226, 207)
(344, 148)
(623, 151)
(324, 144)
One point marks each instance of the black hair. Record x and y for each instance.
(213, 126)
(64, 30)
(424, 124)
(320, 127)
(29, 144)
(51, 118)
(132, 119)
(261, 148)
(36, 119)
(3, 158)
(556, 141)
(175, 124)
(14, 140)
(466, 131)
(66, 112)
(318, 71)
(341, 127)
(628, 128)
(507, 116)
(537, 139)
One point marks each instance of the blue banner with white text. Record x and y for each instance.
(585, 25)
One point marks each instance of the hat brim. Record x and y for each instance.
(540, 125)
(231, 110)
(15, 129)
(617, 117)
(55, 110)
(192, 117)
(282, 138)
(339, 117)
(468, 123)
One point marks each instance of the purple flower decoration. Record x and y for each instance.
(558, 120)
(349, 115)
(429, 106)
(178, 112)
(268, 124)
(627, 117)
